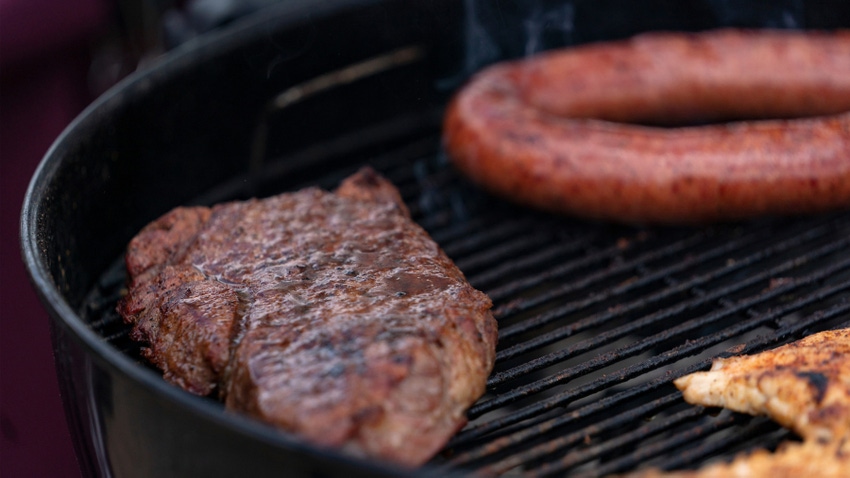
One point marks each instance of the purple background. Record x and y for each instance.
(45, 81)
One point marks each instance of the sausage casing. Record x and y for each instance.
(586, 130)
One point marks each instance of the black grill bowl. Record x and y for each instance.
(595, 319)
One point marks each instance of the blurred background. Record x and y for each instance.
(56, 56)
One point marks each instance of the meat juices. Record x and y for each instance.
(551, 131)
(330, 315)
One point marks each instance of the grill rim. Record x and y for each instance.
(66, 322)
(104, 353)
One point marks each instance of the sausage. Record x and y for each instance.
(640, 130)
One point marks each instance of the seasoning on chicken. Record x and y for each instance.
(804, 385)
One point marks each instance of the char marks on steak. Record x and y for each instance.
(331, 315)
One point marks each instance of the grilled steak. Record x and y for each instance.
(330, 315)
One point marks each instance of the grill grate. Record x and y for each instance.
(596, 320)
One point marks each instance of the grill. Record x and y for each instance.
(595, 319)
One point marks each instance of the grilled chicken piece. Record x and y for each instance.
(330, 315)
(804, 385)
(809, 459)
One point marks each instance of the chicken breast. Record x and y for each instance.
(804, 385)
(809, 459)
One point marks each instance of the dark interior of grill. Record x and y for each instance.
(596, 319)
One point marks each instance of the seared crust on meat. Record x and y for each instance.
(804, 385)
(333, 316)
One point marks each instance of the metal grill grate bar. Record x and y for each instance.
(587, 433)
(490, 236)
(519, 286)
(654, 427)
(533, 260)
(501, 445)
(608, 337)
(647, 450)
(705, 446)
(496, 254)
(596, 320)
(535, 426)
(688, 348)
(689, 260)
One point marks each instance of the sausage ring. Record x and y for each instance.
(587, 130)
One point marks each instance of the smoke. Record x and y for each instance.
(497, 30)
(479, 45)
(494, 30)
(759, 13)
(543, 23)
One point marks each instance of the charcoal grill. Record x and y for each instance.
(596, 319)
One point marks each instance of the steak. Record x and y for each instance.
(330, 315)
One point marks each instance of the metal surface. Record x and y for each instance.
(597, 320)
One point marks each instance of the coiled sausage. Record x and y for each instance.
(587, 130)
